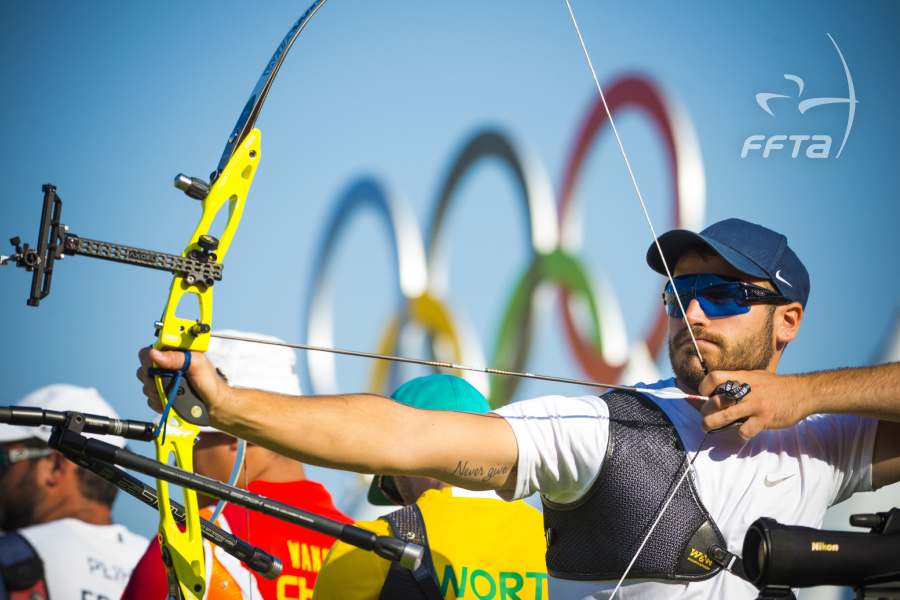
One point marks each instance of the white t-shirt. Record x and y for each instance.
(84, 561)
(791, 475)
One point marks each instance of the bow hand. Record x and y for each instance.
(202, 380)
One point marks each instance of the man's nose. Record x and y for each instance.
(694, 313)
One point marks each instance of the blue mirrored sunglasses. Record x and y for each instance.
(718, 295)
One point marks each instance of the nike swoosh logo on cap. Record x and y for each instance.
(780, 278)
(776, 482)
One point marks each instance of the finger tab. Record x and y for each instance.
(734, 390)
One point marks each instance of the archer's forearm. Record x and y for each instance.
(372, 434)
(344, 432)
(872, 392)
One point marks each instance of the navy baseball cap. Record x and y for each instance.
(749, 248)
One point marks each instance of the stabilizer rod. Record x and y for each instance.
(34, 417)
(407, 554)
(256, 559)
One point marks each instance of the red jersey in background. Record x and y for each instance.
(301, 551)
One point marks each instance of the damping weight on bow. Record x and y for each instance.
(193, 187)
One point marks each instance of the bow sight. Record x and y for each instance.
(778, 557)
(55, 243)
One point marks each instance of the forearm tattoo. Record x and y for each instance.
(464, 470)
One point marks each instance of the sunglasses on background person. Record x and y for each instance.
(386, 485)
(10, 457)
(718, 295)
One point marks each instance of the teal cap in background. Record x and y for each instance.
(433, 392)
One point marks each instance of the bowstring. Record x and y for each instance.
(239, 460)
(674, 288)
(660, 515)
(637, 189)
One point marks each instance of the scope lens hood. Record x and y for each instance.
(757, 548)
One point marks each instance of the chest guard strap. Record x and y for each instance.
(595, 537)
(401, 583)
(21, 570)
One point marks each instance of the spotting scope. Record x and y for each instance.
(785, 556)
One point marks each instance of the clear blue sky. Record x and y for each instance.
(109, 101)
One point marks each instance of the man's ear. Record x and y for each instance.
(56, 469)
(788, 323)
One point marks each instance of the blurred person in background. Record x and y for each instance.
(269, 368)
(60, 541)
(473, 540)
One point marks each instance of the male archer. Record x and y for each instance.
(605, 465)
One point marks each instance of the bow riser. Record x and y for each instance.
(231, 188)
(184, 549)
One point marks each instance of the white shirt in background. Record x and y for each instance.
(84, 561)
(791, 475)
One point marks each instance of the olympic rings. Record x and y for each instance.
(602, 351)
(514, 338)
(435, 319)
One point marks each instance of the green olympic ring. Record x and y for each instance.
(514, 337)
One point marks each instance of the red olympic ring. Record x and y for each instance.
(688, 196)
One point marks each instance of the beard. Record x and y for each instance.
(17, 503)
(752, 353)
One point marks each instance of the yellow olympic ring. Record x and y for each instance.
(434, 318)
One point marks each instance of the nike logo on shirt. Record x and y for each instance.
(776, 482)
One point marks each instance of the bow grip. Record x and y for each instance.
(187, 402)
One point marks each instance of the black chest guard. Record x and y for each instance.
(401, 583)
(596, 537)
